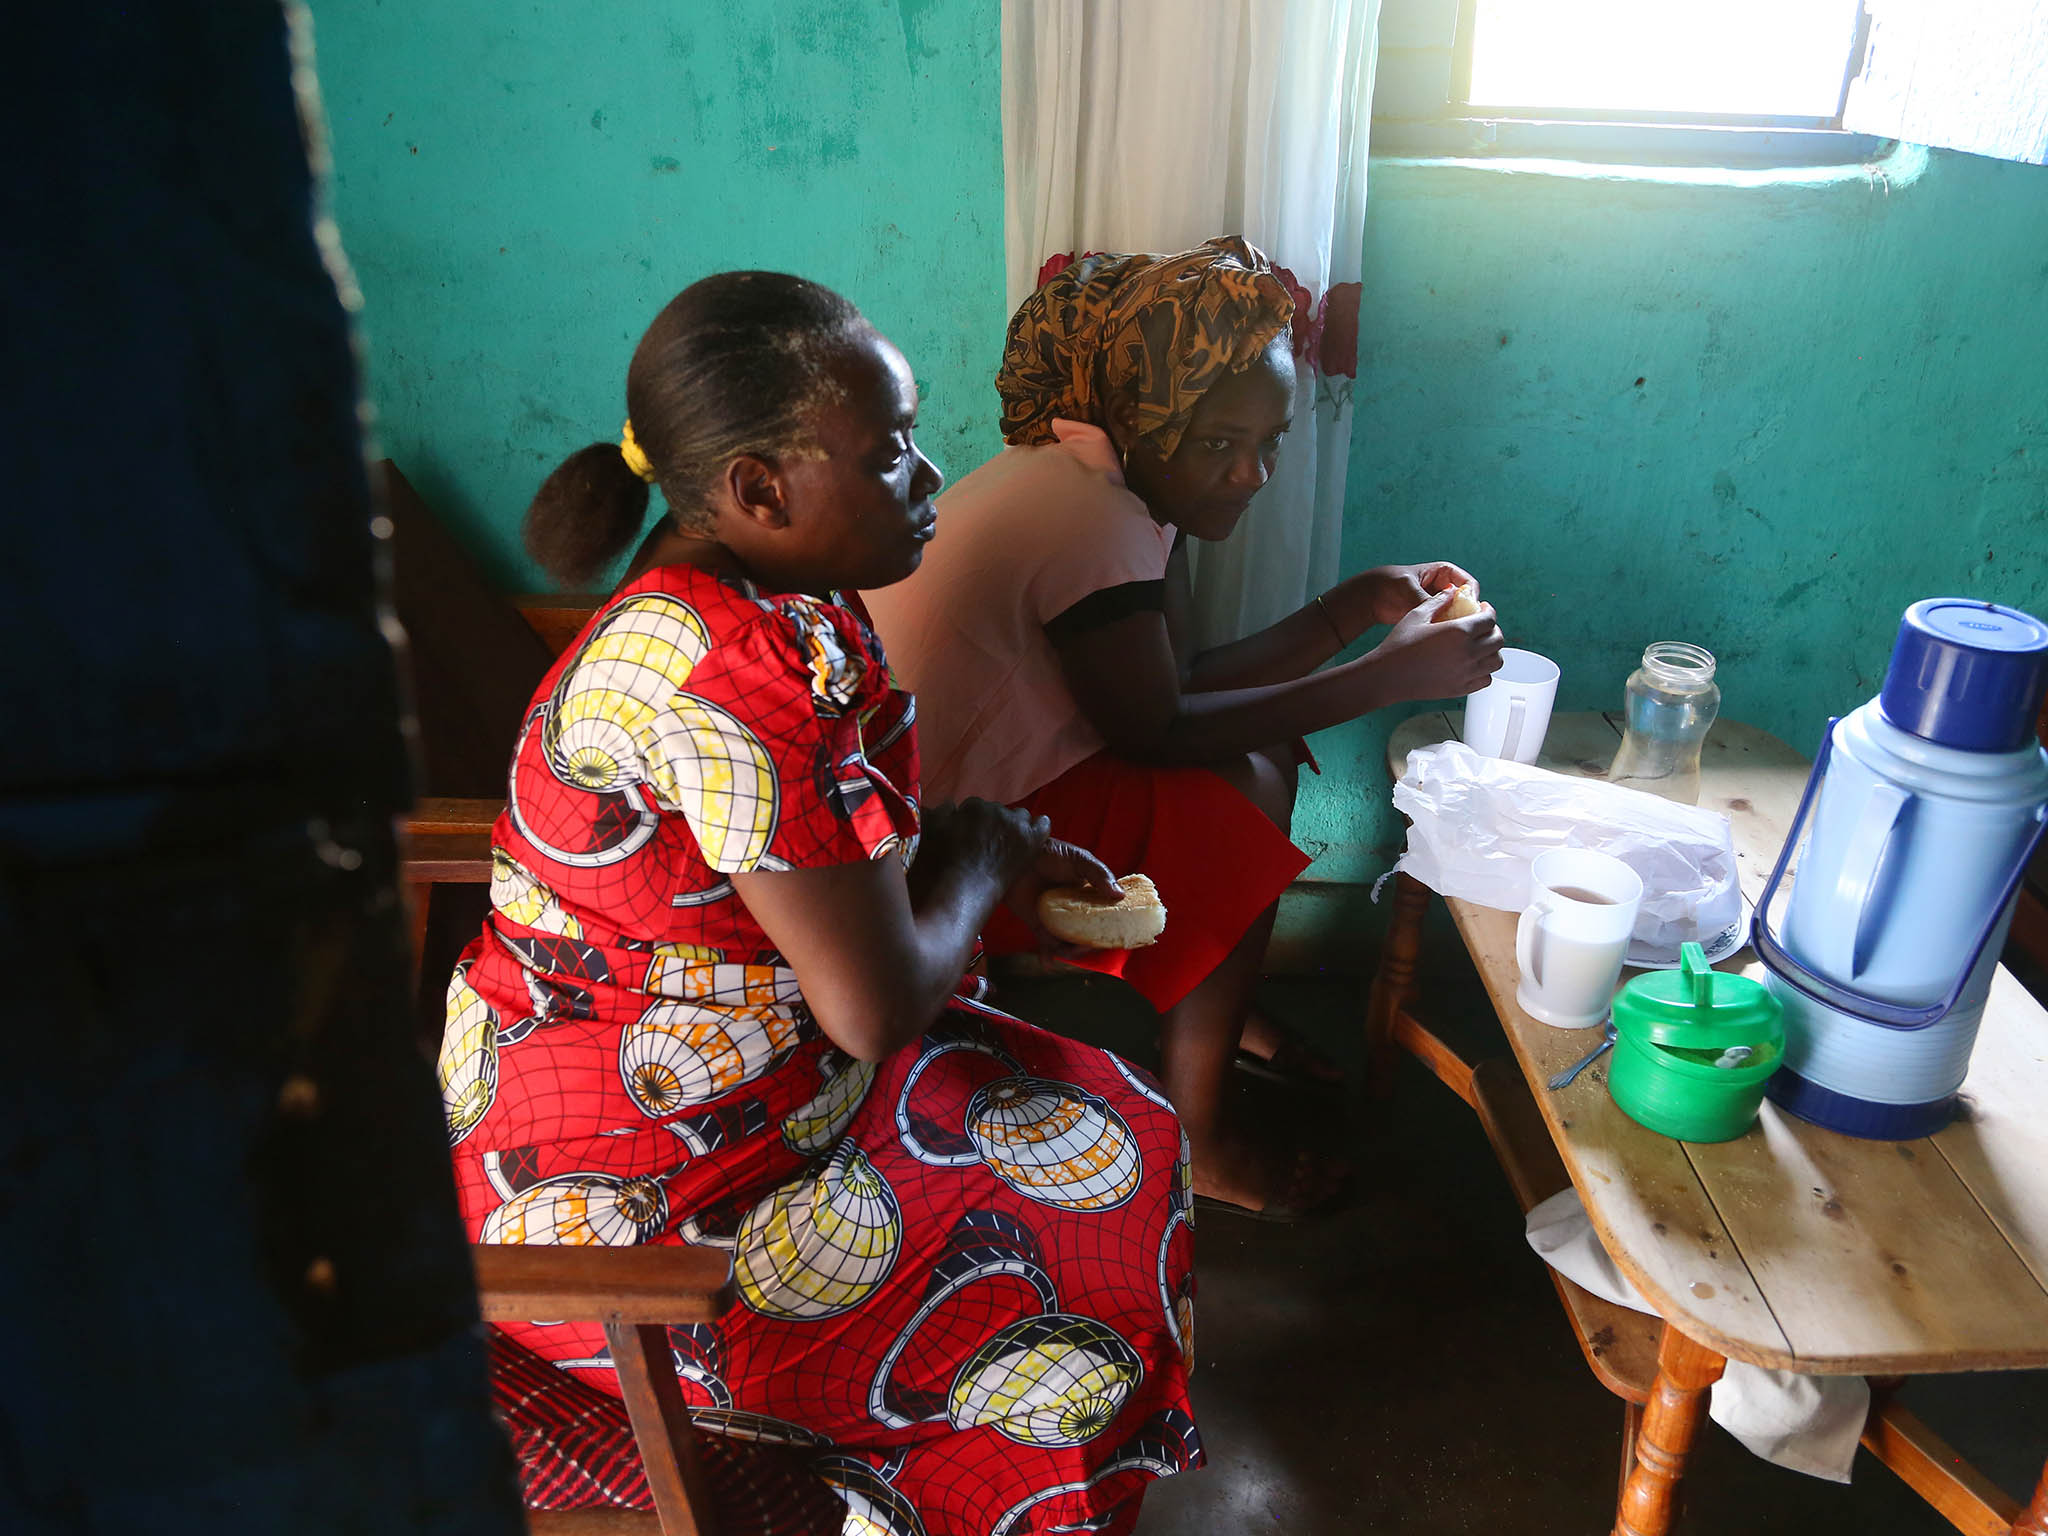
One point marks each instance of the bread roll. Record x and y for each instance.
(1071, 914)
(1463, 604)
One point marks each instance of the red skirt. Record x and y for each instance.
(1216, 859)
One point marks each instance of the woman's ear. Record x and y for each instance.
(755, 489)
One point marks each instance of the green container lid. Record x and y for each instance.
(1672, 1027)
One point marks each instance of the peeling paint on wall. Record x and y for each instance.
(576, 167)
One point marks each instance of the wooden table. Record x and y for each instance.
(1791, 1247)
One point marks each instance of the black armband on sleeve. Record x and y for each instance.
(1106, 607)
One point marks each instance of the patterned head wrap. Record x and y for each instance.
(1160, 329)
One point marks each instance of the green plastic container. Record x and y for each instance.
(1671, 1027)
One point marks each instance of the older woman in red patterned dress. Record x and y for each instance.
(714, 1002)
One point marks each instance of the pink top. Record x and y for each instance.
(1019, 541)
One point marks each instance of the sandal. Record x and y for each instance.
(1306, 1203)
(1294, 1061)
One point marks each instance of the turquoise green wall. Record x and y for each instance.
(521, 187)
(1843, 407)
(1844, 402)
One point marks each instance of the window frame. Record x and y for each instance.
(1624, 136)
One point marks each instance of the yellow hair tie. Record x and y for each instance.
(629, 450)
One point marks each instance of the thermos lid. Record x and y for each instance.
(1698, 1008)
(1967, 674)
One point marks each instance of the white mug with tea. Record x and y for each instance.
(1571, 937)
(1509, 716)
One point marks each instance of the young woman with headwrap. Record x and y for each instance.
(1144, 399)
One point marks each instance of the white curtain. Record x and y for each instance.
(1151, 125)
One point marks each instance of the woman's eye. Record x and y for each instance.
(1216, 444)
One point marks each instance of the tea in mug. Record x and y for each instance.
(1580, 893)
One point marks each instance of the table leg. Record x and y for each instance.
(2033, 1520)
(1678, 1402)
(1393, 985)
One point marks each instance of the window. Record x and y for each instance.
(1718, 82)
(1775, 62)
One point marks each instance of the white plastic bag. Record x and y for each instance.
(1477, 822)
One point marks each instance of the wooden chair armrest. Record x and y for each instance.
(443, 817)
(653, 1284)
(636, 1293)
(447, 841)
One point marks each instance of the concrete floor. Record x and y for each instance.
(1405, 1366)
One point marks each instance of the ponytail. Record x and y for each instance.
(585, 515)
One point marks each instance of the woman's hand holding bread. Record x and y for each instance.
(1428, 659)
(999, 840)
(1060, 866)
(1020, 852)
(1386, 594)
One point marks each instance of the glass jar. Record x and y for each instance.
(1672, 699)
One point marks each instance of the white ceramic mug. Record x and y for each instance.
(1507, 718)
(1571, 938)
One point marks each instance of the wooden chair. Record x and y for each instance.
(1621, 1345)
(447, 839)
(635, 1293)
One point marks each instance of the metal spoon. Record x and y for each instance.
(1564, 1078)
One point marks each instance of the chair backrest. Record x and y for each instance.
(477, 658)
(557, 617)
(474, 662)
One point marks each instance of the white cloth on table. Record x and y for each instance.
(1810, 1424)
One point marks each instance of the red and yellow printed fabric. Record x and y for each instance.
(965, 1278)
